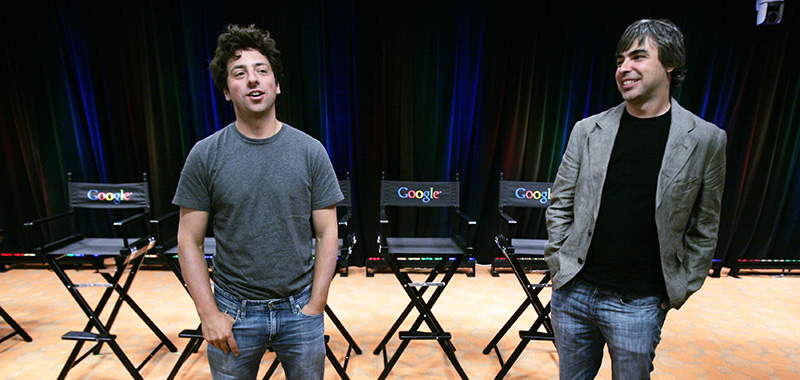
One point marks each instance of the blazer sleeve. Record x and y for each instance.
(701, 236)
(560, 215)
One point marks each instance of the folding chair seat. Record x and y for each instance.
(445, 254)
(57, 240)
(166, 228)
(523, 256)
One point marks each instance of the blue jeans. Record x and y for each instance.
(586, 318)
(297, 339)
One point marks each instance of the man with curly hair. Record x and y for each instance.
(260, 181)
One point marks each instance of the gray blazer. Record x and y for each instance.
(688, 198)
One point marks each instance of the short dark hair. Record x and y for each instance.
(235, 39)
(669, 40)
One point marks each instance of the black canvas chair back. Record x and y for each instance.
(525, 194)
(109, 195)
(420, 194)
(126, 250)
(522, 194)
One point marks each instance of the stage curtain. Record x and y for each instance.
(418, 90)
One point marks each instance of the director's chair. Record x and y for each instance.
(524, 196)
(110, 257)
(448, 254)
(515, 252)
(166, 228)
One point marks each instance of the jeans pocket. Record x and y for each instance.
(226, 305)
(640, 302)
(300, 311)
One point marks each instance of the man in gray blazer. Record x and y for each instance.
(635, 211)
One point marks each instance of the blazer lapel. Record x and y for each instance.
(601, 143)
(680, 145)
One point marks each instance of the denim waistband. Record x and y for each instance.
(262, 305)
(578, 281)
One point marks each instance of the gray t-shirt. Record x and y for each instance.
(260, 194)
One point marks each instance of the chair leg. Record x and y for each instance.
(18, 330)
(513, 358)
(335, 362)
(493, 343)
(272, 368)
(191, 347)
(340, 326)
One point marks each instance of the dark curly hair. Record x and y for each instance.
(669, 40)
(236, 38)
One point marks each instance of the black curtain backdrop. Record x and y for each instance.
(421, 90)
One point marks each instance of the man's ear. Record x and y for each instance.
(227, 95)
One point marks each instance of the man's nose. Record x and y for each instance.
(623, 66)
(252, 77)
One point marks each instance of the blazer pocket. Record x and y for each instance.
(551, 253)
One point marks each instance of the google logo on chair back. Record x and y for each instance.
(414, 193)
(525, 194)
(108, 195)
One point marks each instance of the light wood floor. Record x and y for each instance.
(746, 328)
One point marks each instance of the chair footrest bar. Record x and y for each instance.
(191, 333)
(423, 284)
(83, 335)
(534, 335)
(540, 285)
(93, 285)
(424, 335)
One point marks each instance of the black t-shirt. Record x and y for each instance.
(624, 253)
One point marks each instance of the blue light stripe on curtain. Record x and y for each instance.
(464, 105)
(339, 98)
(82, 98)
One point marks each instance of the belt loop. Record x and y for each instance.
(243, 309)
(293, 304)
